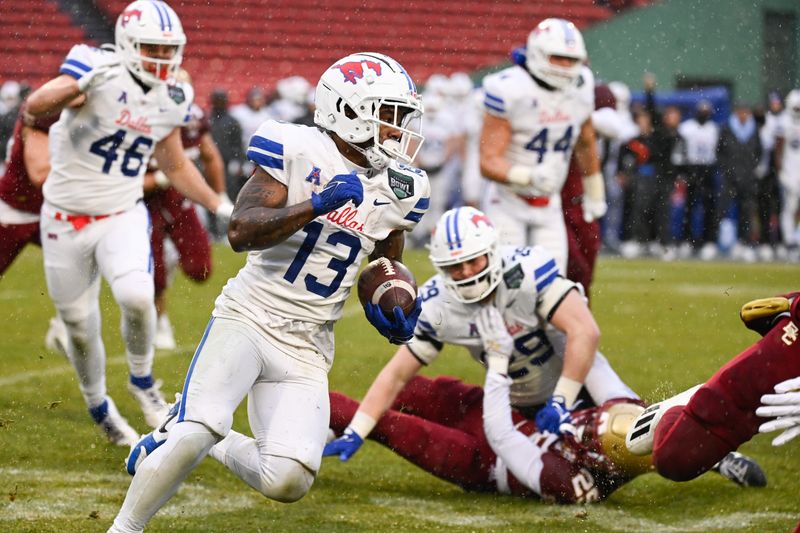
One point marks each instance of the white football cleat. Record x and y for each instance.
(148, 443)
(152, 402)
(639, 439)
(112, 424)
(55, 339)
(165, 337)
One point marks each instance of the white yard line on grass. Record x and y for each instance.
(75, 494)
(19, 377)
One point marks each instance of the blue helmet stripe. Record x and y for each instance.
(447, 231)
(160, 15)
(569, 35)
(455, 228)
(166, 14)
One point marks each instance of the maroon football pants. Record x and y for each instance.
(13, 239)
(437, 424)
(174, 216)
(583, 240)
(720, 417)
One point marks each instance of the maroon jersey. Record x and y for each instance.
(16, 188)
(193, 131)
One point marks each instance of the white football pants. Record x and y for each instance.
(118, 248)
(520, 224)
(288, 410)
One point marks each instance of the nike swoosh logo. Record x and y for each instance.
(376, 203)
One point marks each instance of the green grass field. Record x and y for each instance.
(665, 327)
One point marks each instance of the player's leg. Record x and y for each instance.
(454, 455)
(13, 239)
(550, 232)
(193, 244)
(603, 383)
(224, 368)
(123, 256)
(444, 400)
(73, 283)
(288, 410)
(788, 221)
(720, 416)
(504, 209)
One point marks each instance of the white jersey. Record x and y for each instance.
(701, 141)
(789, 130)
(308, 277)
(544, 124)
(99, 151)
(527, 297)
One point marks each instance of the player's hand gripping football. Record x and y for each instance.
(344, 446)
(785, 405)
(341, 189)
(554, 417)
(497, 343)
(97, 76)
(400, 329)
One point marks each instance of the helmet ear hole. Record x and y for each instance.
(348, 111)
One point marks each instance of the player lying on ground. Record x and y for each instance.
(688, 433)
(540, 321)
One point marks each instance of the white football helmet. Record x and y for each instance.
(793, 104)
(622, 94)
(555, 37)
(462, 234)
(149, 22)
(349, 98)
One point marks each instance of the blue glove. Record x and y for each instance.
(339, 190)
(345, 446)
(401, 329)
(519, 56)
(554, 417)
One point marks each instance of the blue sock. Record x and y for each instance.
(144, 382)
(100, 412)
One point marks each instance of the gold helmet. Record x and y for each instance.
(614, 422)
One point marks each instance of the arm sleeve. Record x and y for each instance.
(266, 149)
(78, 62)
(495, 101)
(520, 454)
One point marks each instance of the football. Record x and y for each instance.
(387, 283)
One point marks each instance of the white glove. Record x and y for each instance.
(224, 209)
(785, 405)
(593, 209)
(497, 343)
(97, 76)
(544, 184)
(594, 197)
(161, 180)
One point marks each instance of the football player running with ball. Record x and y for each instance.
(531, 327)
(319, 201)
(535, 115)
(118, 107)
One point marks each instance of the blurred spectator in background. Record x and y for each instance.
(616, 190)
(227, 134)
(701, 135)
(292, 102)
(767, 188)
(10, 100)
(739, 153)
(652, 162)
(787, 163)
(250, 115)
